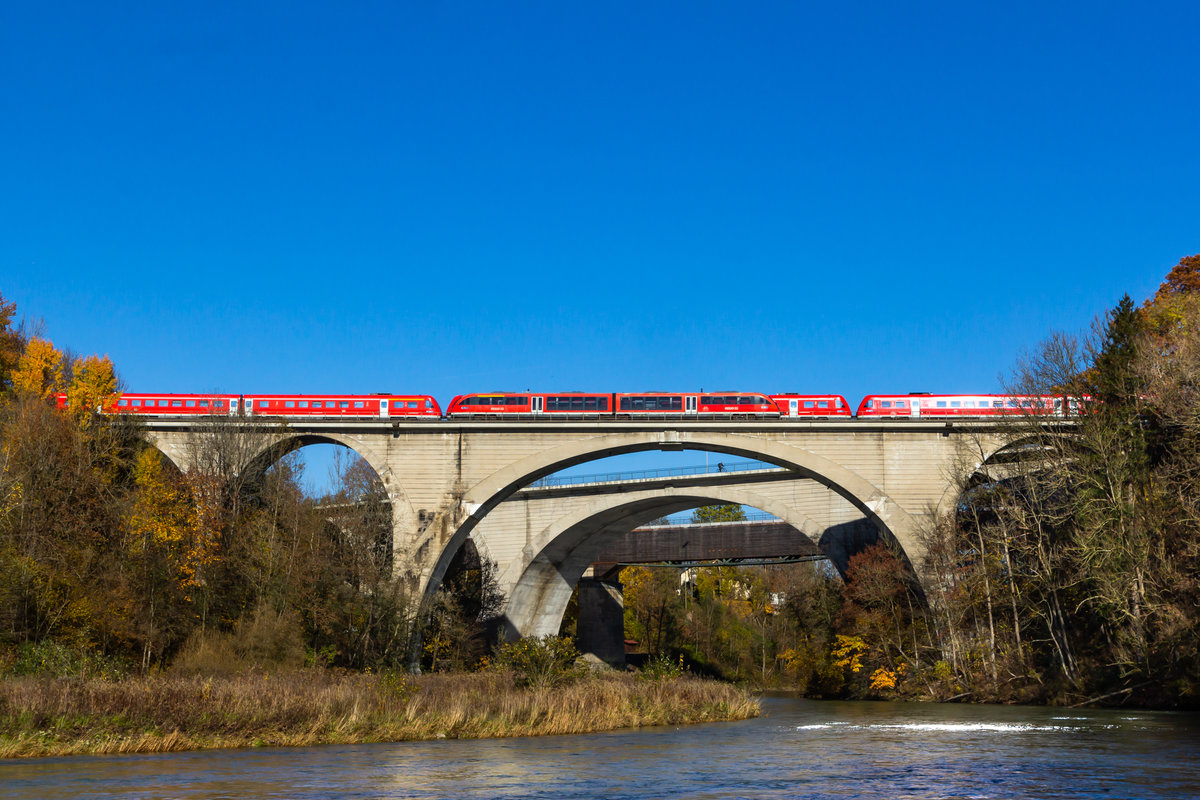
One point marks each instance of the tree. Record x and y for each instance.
(39, 371)
(729, 512)
(11, 344)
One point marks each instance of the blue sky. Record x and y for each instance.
(451, 197)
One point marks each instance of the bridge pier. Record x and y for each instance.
(601, 627)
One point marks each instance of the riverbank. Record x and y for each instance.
(65, 716)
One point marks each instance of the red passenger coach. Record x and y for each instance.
(511, 405)
(173, 405)
(649, 405)
(811, 405)
(341, 405)
(957, 405)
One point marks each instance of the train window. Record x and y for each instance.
(941, 403)
(176, 404)
(343, 404)
(289, 404)
(901, 404)
(997, 404)
(870, 404)
(1026, 404)
(303, 404)
(809, 404)
(884, 404)
(825, 404)
(191, 404)
(411, 404)
(122, 402)
(204, 404)
(955, 403)
(1012, 403)
(360, 404)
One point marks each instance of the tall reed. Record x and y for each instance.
(59, 716)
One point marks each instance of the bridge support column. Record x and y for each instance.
(601, 629)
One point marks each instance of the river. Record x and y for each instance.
(798, 749)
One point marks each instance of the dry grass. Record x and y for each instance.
(43, 717)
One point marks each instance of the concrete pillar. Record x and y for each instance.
(601, 629)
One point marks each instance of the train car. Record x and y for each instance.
(511, 405)
(383, 406)
(644, 405)
(650, 405)
(811, 405)
(736, 404)
(173, 405)
(957, 405)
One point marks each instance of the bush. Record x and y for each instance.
(662, 668)
(539, 663)
(51, 658)
(264, 640)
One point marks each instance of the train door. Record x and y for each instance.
(793, 407)
(689, 404)
(248, 406)
(916, 406)
(537, 404)
(383, 407)
(233, 407)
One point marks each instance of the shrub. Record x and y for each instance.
(539, 663)
(662, 668)
(51, 658)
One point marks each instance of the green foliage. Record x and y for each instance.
(49, 658)
(662, 668)
(539, 663)
(730, 512)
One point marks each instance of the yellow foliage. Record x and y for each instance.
(882, 679)
(39, 371)
(848, 652)
(165, 522)
(93, 384)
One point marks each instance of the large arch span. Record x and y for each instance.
(892, 521)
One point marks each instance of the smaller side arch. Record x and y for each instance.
(541, 585)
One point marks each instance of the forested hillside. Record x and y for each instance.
(1068, 572)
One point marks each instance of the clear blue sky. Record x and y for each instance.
(451, 197)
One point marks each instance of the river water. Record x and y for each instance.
(798, 749)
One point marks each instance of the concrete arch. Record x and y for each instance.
(169, 452)
(558, 557)
(279, 444)
(892, 521)
(988, 456)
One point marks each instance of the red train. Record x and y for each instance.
(589, 405)
(644, 405)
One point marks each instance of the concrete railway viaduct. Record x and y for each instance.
(450, 480)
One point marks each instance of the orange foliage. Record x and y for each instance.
(93, 384)
(39, 371)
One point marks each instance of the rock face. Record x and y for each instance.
(594, 663)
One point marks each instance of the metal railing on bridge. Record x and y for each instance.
(652, 474)
(749, 516)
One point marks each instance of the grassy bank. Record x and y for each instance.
(63, 716)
